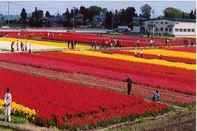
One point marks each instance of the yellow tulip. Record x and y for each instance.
(165, 52)
(135, 59)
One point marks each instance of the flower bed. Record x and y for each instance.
(153, 75)
(71, 104)
(18, 109)
(125, 41)
(185, 49)
(135, 59)
(156, 56)
(164, 52)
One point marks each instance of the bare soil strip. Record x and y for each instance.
(175, 120)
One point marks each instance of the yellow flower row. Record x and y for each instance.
(135, 59)
(22, 110)
(165, 52)
(45, 43)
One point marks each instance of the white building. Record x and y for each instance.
(170, 27)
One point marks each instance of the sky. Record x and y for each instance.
(55, 7)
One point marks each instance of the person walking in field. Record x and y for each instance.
(7, 105)
(17, 45)
(22, 46)
(138, 43)
(141, 53)
(151, 43)
(92, 44)
(156, 96)
(25, 46)
(68, 44)
(29, 47)
(129, 85)
(12, 46)
(167, 41)
(95, 44)
(118, 43)
(72, 44)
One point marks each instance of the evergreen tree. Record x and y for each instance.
(23, 17)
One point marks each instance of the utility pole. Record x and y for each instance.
(153, 12)
(8, 12)
(74, 18)
(112, 21)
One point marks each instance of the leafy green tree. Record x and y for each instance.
(36, 18)
(146, 11)
(84, 11)
(171, 12)
(116, 19)
(93, 11)
(108, 20)
(129, 14)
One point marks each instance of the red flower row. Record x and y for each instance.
(153, 75)
(125, 40)
(71, 103)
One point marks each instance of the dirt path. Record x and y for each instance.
(175, 120)
(97, 82)
(23, 127)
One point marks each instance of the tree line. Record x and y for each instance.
(83, 16)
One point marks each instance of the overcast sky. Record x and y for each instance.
(60, 6)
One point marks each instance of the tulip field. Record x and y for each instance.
(111, 69)
(73, 104)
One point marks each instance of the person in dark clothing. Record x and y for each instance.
(192, 42)
(72, 44)
(185, 42)
(22, 46)
(167, 41)
(129, 85)
(118, 43)
(156, 96)
(12, 46)
(95, 44)
(92, 44)
(25, 46)
(68, 44)
(17, 45)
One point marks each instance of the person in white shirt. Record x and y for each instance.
(7, 105)
(141, 53)
(151, 43)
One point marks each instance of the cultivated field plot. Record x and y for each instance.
(83, 87)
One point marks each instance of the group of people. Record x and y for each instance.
(139, 53)
(189, 42)
(20, 46)
(105, 43)
(155, 95)
(72, 44)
